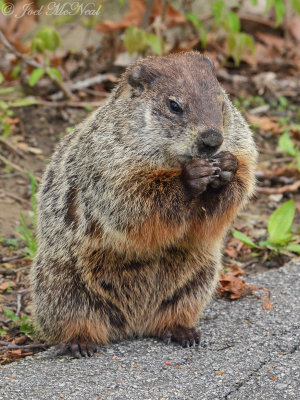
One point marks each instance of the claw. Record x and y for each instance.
(76, 350)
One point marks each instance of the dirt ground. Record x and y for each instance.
(39, 130)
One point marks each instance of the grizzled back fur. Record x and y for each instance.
(112, 204)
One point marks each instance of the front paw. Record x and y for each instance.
(75, 349)
(198, 173)
(228, 165)
(187, 337)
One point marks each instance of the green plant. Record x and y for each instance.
(22, 322)
(280, 237)
(139, 41)
(11, 243)
(280, 8)
(28, 235)
(47, 39)
(199, 27)
(6, 112)
(238, 43)
(288, 147)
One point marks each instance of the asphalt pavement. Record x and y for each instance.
(246, 353)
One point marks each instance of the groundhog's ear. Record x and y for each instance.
(141, 76)
(210, 62)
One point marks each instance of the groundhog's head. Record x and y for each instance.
(177, 104)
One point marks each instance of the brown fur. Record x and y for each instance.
(133, 210)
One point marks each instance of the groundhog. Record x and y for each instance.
(134, 207)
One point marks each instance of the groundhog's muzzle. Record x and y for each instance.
(208, 142)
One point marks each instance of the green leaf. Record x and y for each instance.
(247, 41)
(296, 5)
(286, 144)
(11, 315)
(38, 45)
(217, 10)
(1, 78)
(280, 223)
(50, 38)
(293, 247)
(254, 2)
(5, 9)
(54, 74)
(298, 161)
(7, 90)
(199, 27)
(135, 40)
(16, 70)
(36, 75)
(279, 10)
(269, 245)
(156, 43)
(233, 21)
(283, 101)
(243, 238)
(25, 102)
(26, 326)
(231, 43)
(269, 5)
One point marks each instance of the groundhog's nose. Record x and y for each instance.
(209, 141)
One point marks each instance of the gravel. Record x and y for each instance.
(246, 353)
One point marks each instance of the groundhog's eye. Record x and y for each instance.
(175, 107)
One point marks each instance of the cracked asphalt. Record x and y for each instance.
(246, 353)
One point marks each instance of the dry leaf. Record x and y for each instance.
(135, 16)
(266, 305)
(237, 271)
(232, 285)
(266, 124)
(293, 26)
(4, 286)
(274, 41)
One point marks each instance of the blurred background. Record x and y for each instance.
(59, 61)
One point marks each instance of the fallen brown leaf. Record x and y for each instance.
(266, 305)
(232, 285)
(274, 41)
(237, 271)
(4, 286)
(266, 124)
(293, 26)
(134, 16)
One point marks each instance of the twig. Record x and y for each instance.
(16, 167)
(85, 83)
(11, 346)
(33, 63)
(256, 19)
(9, 259)
(164, 10)
(283, 189)
(147, 14)
(10, 147)
(75, 104)
(27, 60)
(15, 197)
